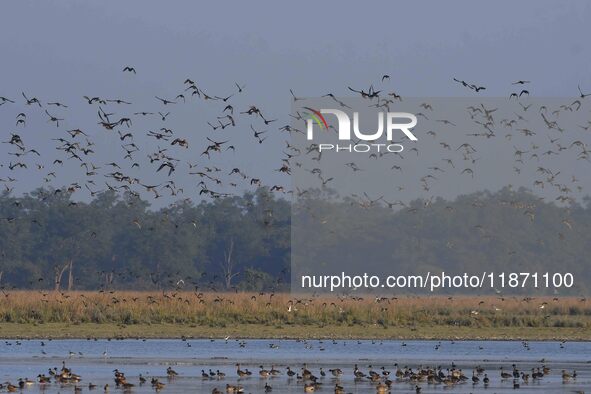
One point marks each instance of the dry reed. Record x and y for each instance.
(220, 309)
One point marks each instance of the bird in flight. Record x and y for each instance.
(34, 100)
(4, 100)
(164, 101)
(471, 86)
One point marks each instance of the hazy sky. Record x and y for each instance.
(61, 50)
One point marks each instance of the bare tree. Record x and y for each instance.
(228, 264)
(110, 276)
(70, 247)
(59, 272)
(70, 276)
(109, 279)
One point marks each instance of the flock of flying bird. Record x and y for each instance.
(543, 143)
(77, 146)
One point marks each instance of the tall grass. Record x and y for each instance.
(221, 309)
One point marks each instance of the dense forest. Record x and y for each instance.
(48, 241)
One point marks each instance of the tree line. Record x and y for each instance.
(118, 241)
(48, 241)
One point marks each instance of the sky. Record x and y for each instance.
(62, 50)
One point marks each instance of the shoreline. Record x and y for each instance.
(60, 331)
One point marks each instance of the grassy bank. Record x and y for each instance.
(216, 315)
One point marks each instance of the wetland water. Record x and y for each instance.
(96, 360)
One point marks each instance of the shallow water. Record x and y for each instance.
(96, 360)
